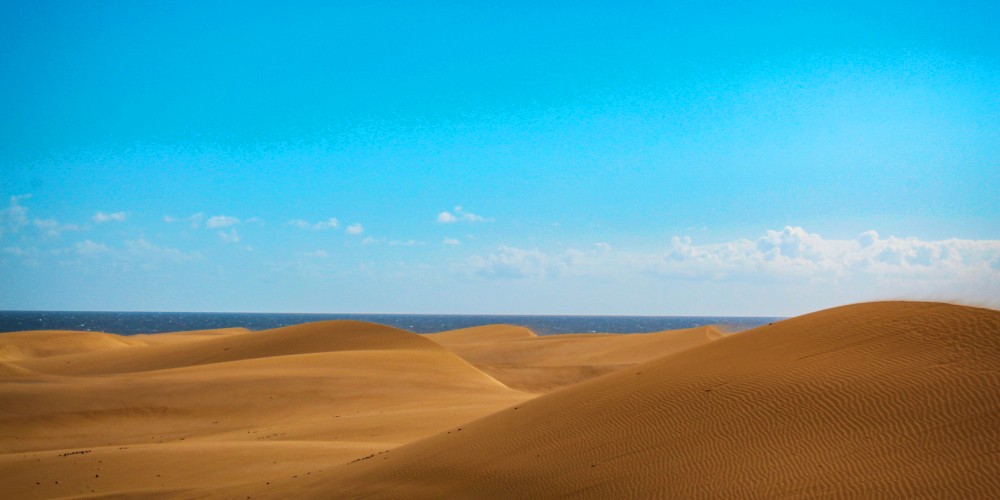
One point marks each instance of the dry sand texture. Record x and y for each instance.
(891, 399)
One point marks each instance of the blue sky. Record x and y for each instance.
(443, 157)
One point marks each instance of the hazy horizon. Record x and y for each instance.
(765, 159)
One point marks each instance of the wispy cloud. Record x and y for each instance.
(220, 221)
(230, 236)
(194, 220)
(133, 254)
(513, 262)
(89, 249)
(15, 216)
(149, 255)
(451, 241)
(460, 215)
(101, 217)
(53, 228)
(330, 223)
(405, 243)
(20, 251)
(355, 228)
(393, 243)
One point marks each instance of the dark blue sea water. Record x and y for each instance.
(130, 323)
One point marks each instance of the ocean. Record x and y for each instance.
(131, 323)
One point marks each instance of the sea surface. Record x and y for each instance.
(131, 323)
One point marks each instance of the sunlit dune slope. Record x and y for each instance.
(884, 399)
(185, 417)
(521, 360)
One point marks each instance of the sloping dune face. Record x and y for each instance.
(187, 414)
(884, 399)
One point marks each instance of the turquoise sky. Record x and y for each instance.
(769, 158)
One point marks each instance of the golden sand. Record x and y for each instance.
(897, 399)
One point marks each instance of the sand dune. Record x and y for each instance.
(46, 343)
(520, 359)
(481, 334)
(885, 399)
(180, 351)
(193, 415)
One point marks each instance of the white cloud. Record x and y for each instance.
(139, 254)
(100, 217)
(512, 262)
(460, 215)
(230, 237)
(220, 221)
(330, 223)
(194, 220)
(149, 253)
(15, 216)
(89, 249)
(451, 241)
(355, 228)
(20, 252)
(368, 240)
(407, 243)
(53, 228)
(789, 255)
(797, 254)
(316, 253)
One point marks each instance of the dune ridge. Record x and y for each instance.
(882, 399)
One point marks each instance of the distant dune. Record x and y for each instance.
(521, 360)
(898, 399)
